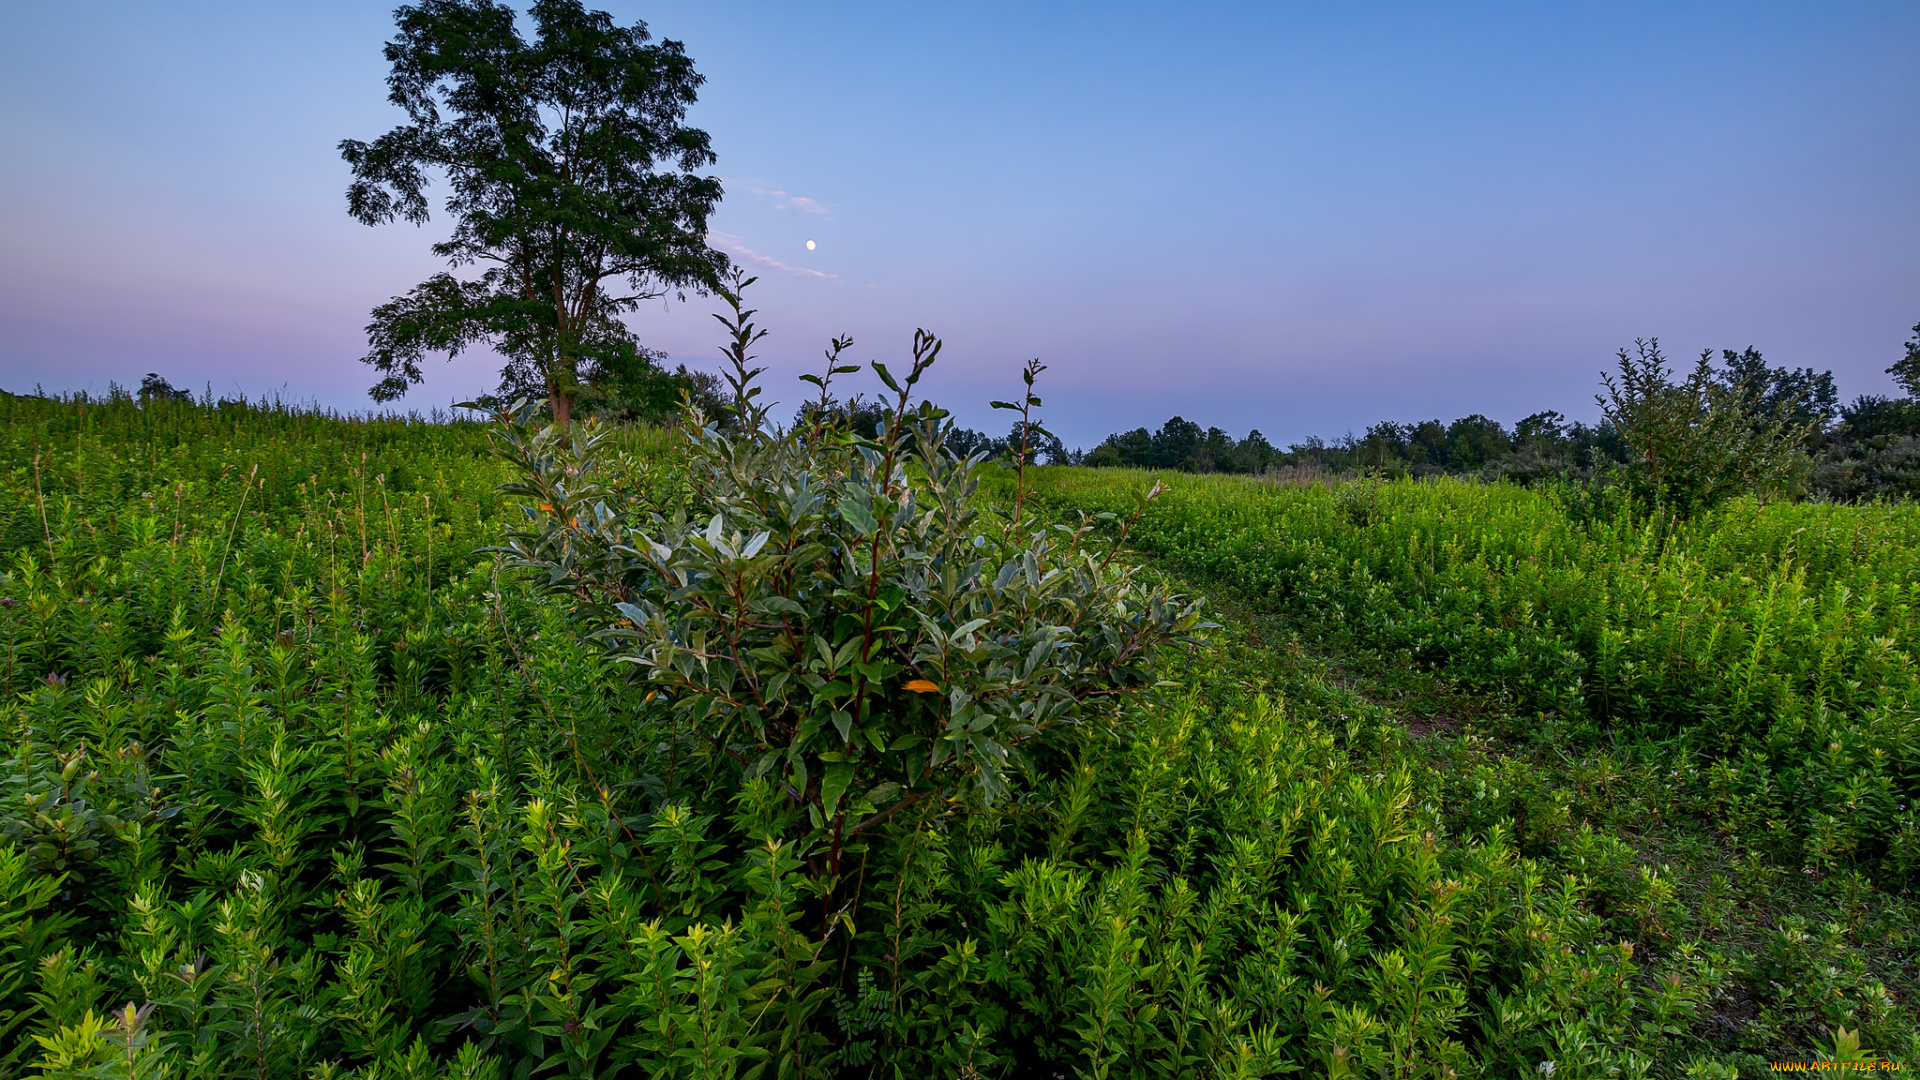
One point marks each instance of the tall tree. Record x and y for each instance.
(573, 185)
(1803, 397)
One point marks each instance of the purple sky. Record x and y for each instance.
(1301, 218)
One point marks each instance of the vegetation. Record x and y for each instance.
(1773, 643)
(1691, 445)
(552, 149)
(864, 641)
(1742, 425)
(383, 748)
(1734, 694)
(313, 788)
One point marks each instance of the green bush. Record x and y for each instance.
(1696, 443)
(841, 614)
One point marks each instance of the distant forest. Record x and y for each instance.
(1866, 449)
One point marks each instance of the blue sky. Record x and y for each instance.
(1300, 218)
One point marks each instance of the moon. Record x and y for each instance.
(809, 245)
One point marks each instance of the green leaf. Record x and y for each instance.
(833, 785)
(857, 515)
(776, 605)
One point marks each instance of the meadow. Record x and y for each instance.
(1774, 646)
(304, 781)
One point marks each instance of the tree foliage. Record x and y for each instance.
(573, 183)
(1182, 444)
(1865, 449)
(1803, 398)
(154, 387)
(1906, 370)
(1698, 442)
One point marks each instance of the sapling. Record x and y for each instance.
(1029, 427)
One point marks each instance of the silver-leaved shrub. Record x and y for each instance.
(847, 617)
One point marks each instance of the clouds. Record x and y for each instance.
(731, 243)
(798, 204)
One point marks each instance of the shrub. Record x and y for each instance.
(1696, 443)
(837, 612)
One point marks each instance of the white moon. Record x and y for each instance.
(809, 245)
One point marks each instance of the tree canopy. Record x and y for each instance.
(1906, 370)
(573, 185)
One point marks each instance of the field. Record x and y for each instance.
(1472, 779)
(1770, 647)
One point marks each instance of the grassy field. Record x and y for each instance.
(1774, 646)
(1713, 723)
(301, 783)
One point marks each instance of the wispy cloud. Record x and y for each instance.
(731, 243)
(799, 204)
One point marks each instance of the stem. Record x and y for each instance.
(237, 511)
(888, 812)
(40, 498)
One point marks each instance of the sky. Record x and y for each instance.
(1301, 218)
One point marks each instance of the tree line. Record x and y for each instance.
(1866, 448)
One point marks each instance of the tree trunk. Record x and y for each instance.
(562, 403)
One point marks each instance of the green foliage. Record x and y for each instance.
(1697, 443)
(553, 149)
(1870, 454)
(837, 612)
(1181, 444)
(1875, 450)
(1906, 370)
(1779, 641)
(303, 783)
(1804, 399)
(154, 388)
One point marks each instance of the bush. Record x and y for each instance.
(1697, 443)
(836, 612)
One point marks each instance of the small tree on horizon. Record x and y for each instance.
(1697, 442)
(553, 150)
(1906, 370)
